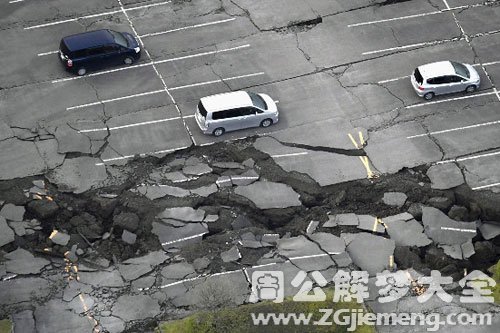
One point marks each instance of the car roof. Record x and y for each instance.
(225, 101)
(436, 69)
(88, 39)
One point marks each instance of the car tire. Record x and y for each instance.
(266, 122)
(218, 131)
(81, 71)
(470, 89)
(128, 60)
(428, 96)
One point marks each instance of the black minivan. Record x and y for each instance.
(97, 49)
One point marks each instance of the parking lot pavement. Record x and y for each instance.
(358, 74)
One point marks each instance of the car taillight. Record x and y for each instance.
(421, 88)
(69, 63)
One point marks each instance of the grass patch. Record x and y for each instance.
(496, 276)
(5, 326)
(239, 319)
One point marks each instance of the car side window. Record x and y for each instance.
(455, 78)
(111, 48)
(219, 115)
(95, 51)
(248, 111)
(437, 80)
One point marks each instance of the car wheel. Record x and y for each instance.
(128, 61)
(81, 71)
(266, 122)
(218, 131)
(470, 89)
(429, 96)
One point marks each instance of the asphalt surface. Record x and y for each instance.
(351, 65)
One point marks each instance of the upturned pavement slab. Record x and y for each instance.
(443, 230)
(187, 214)
(489, 230)
(328, 242)
(407, 233)
(170, 237)
(324, 167)
(56, 316)
(12, 212)
(266, 195)
(6, 233)
(21, 261)
(153, 192)
(445, 176)
(298, 246)
(78, 174)
(371, 253)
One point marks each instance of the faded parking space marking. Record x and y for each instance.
(186, 28)
(489, 123)
(451, 99)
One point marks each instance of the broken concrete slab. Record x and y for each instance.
(311, 227)
(445, 176)
(78, 174)
(246, 178)
(48, 152)
(349, 219)
(75, 288)
(82, 303)
(328, 242)
(176, 177)
(177, 271)
(187, 214)
(19, 159)
(371, 253)
(489, 230)
(298, 246)
(153, 192)
(111, 279)
(224, 181)
(396, 199)
(443, 230)
(6, 233)
(67, 321)
(170, 237)
(407, 233)
(370, 223)
(21, 261)
(23, 290)
(12, 212)
(205, 191)
(112, 324)
(324, 167)
(197, 169)
(233, 254)
(227, 165)
(266, 195)
(24, 322)
(5, 131)
(133, 272)
(71, 141)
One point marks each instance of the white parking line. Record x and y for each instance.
(446, 4)
(47, 53)
(469, 158)
(485, 186)
(489, 123)
(404, 47)
(132, 125)
(96, 15)
(394, 19)
(491, 63)
(395, 79)
(160, 91)
(141, 155)
(186, 28)
(449, 100)
(184, 239)
(151, 63)
(14, 1)
(289, 155)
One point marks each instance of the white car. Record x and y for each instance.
(236, 110)
(444, 77)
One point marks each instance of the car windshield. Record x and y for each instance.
(258, 101)
(119, 38)
(418, 76)
(460, 69)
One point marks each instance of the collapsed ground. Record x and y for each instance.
(136, 210)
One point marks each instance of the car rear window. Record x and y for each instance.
(202, 110)
(258, 101)
(418, 76)
(460, 69)
(64, 48)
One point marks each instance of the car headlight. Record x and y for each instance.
(137, 49)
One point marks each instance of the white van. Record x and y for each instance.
(232, 111)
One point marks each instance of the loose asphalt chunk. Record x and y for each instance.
(59, 238)
(396, 199)
(370, 223)
(371, 253)
(6, 233)
(170, 237)
(197, 169)
(489, 230)
(445, 176)
(233, 254)
(246, 178)
(341, 219)
(12, 212)
(21, 261)
(129, 237)
(153, 192)
(205, 191)
(266, 195)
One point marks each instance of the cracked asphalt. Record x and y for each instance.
(339, 71)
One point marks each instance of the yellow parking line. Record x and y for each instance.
(364, 159)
